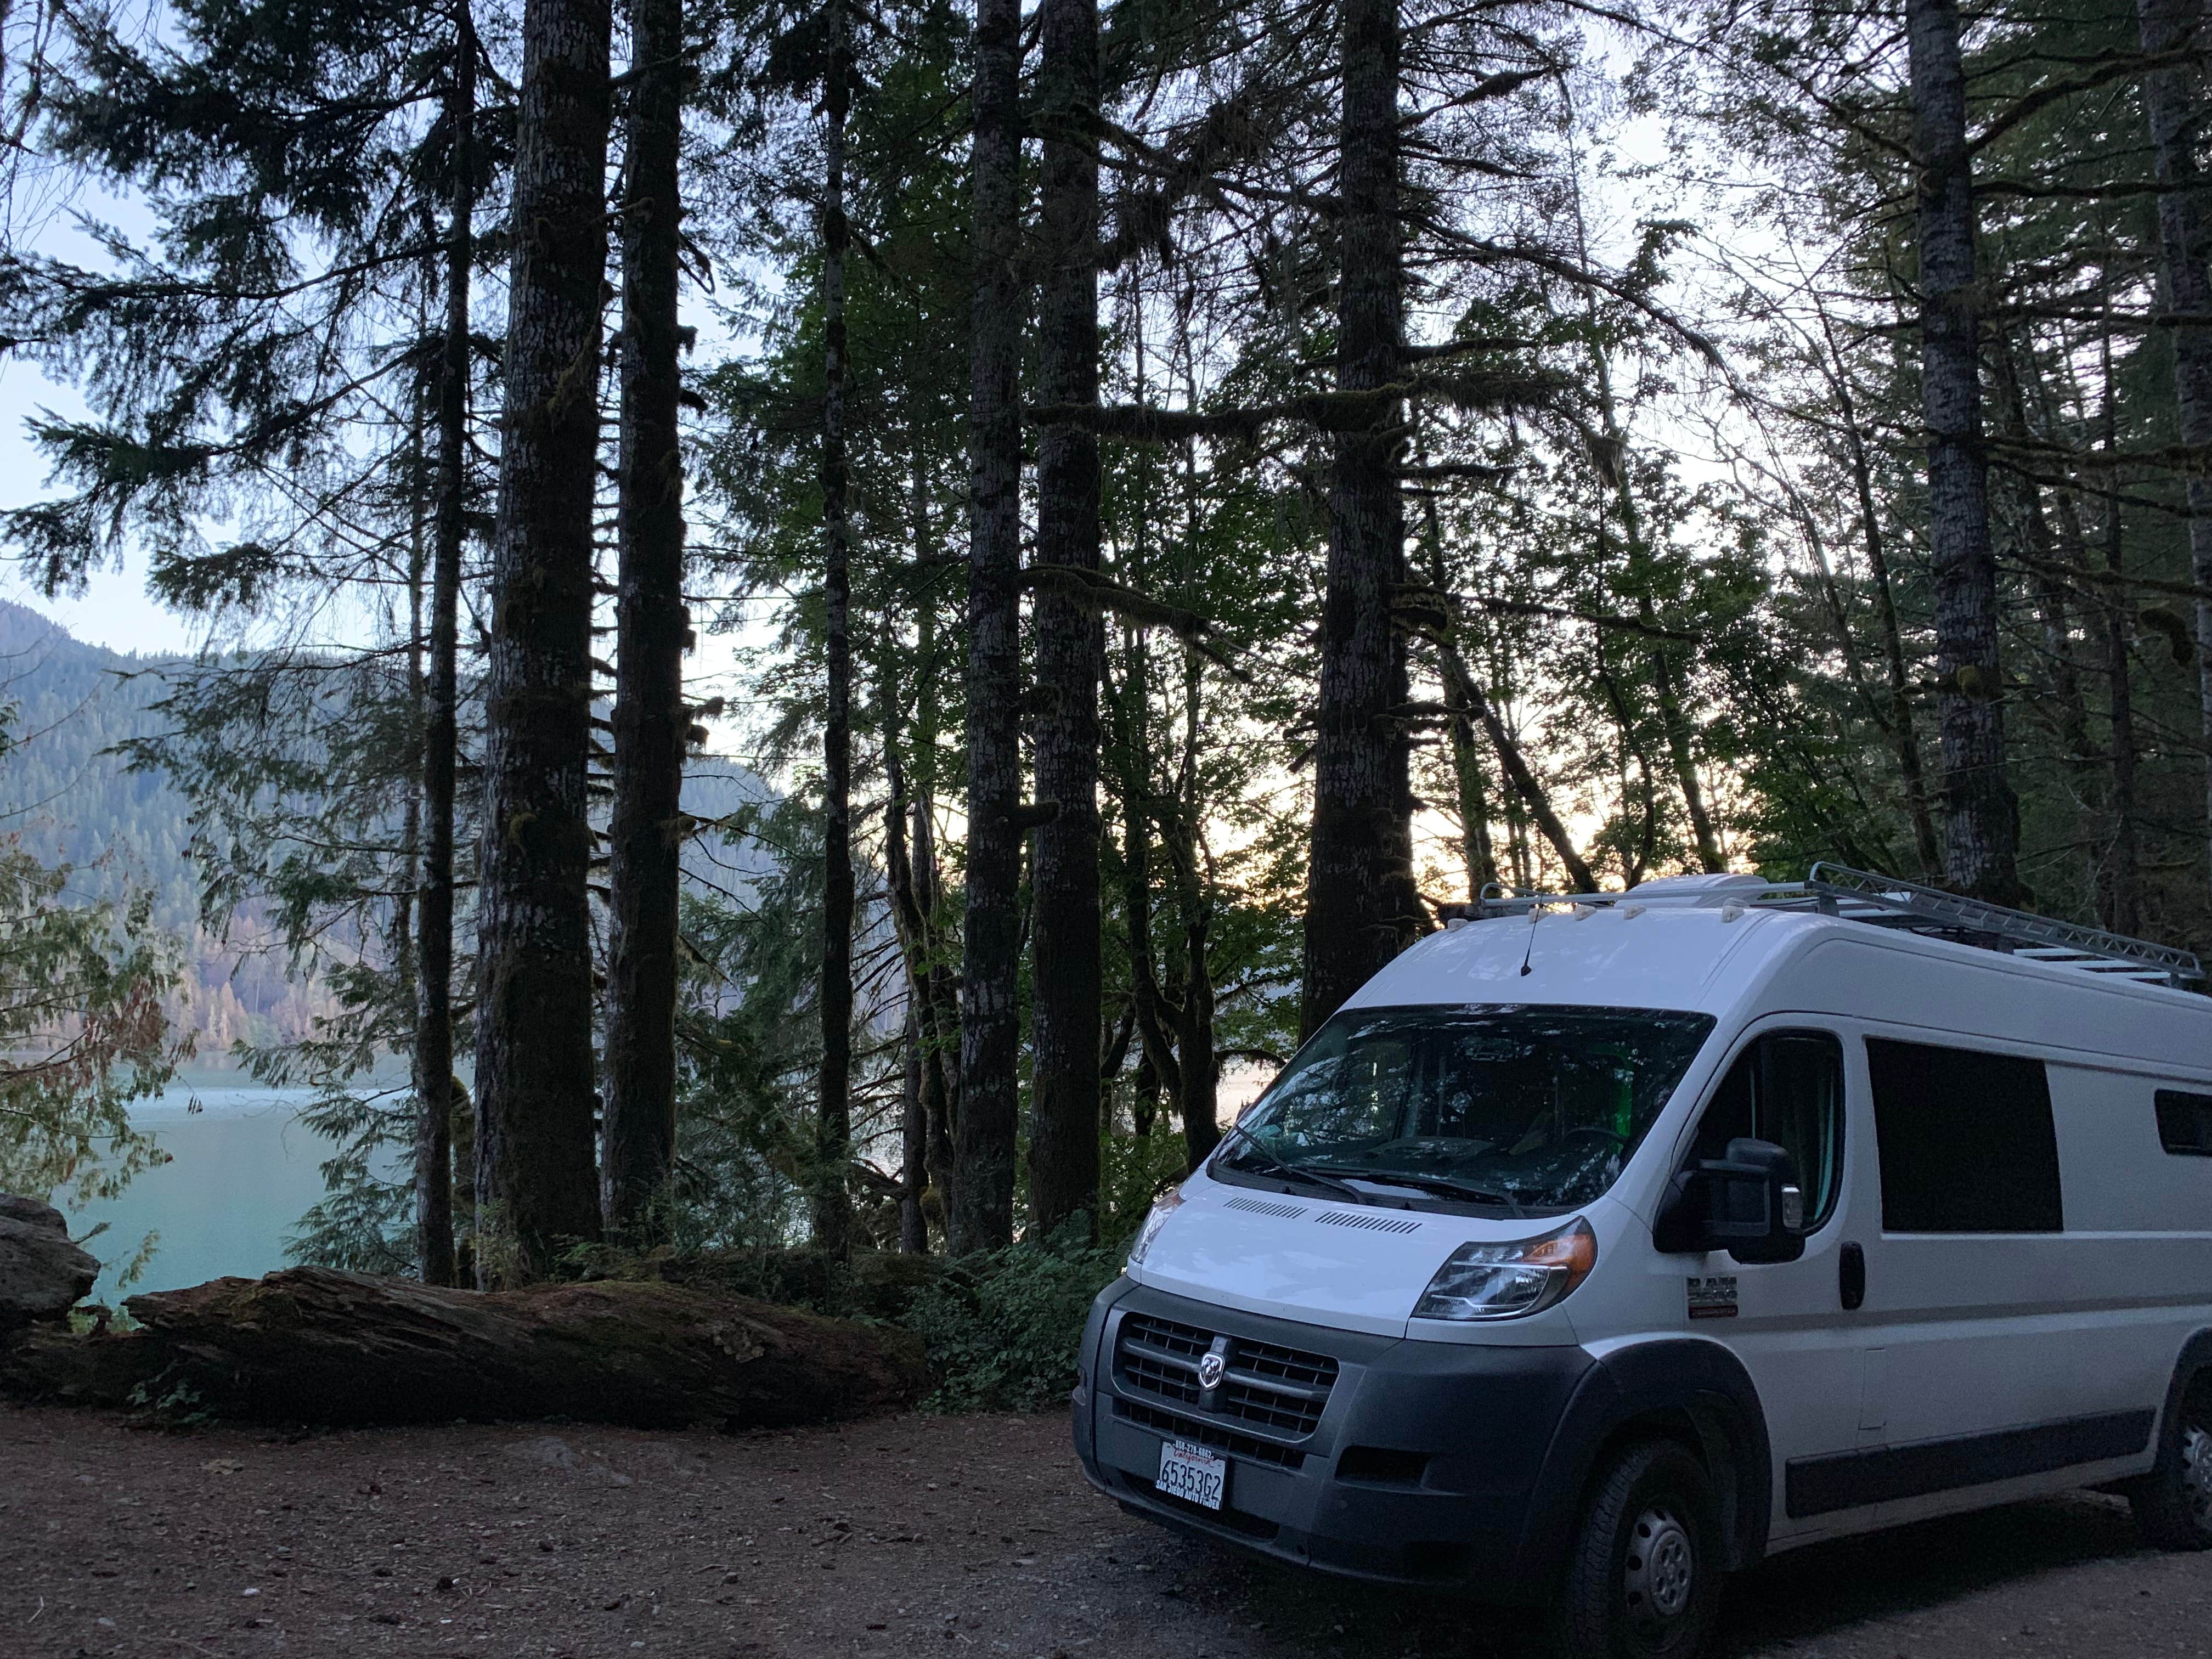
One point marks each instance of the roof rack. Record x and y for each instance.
(1836, 889)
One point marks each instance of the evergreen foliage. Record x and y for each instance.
(1533, 447)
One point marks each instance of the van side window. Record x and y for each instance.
(2185, 1123)
(1966, 1140)
(1788, 1088)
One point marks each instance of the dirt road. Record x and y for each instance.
(960, 1537)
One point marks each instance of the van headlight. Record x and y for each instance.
(1156, 1218)
(1506, 1281)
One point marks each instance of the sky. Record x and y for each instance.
(115, 610)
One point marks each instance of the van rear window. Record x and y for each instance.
(2185, 1123)
(1966, 1141)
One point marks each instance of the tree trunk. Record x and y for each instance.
(462, 1135)
(1904, 737)
(1067, 1017)
(1473, 796)
(2054, 604)
(434, 921)
(1361, 908)
(1197, 1071)
(650, 720)
(1467, 762)
(1155, 1011)
(405, 910)
(1666, 685)
(1981, 829)
(2123, 865)
(537, 1185)
(316, 1345)
(910, 875)
(913, 1138)
(1527, 786)
(2174, 102)
(941, 1084)
(982, 1216)
(832, 1208)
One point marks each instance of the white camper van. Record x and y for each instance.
(1602, 1245)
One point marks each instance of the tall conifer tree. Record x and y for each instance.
(1070, 637)
(646, 836)
(536, 1174)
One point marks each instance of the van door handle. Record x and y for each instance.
(1851, 1275)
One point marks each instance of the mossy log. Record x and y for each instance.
(311, 1345)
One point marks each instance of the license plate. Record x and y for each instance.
(1192, 1474)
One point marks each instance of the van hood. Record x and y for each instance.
(1322, 1262)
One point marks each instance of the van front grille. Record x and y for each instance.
(1280, 1390)
(1213, 1436)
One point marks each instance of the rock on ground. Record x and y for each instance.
(42, 1274)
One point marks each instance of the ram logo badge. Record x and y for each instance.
(1712, 1296)
(1213, 1364)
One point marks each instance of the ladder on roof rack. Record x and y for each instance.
(1836, 890)
(2066, 944)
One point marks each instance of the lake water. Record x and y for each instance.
(242, 1172)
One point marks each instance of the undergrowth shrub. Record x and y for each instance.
(1002, 1329)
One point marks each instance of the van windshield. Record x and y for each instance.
(1532, 1108)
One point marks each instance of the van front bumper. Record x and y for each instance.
(1371, 1457)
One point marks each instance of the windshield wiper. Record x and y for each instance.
(1443, 1185)
(1294, 1171)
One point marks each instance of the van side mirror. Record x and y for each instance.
(1748, 1203)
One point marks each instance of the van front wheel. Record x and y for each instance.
(1644, 1574)
(2174, 1503)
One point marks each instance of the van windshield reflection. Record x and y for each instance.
(1526, 1109)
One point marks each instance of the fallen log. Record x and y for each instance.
(311, 1345)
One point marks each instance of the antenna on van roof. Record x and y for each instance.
(1836, 890)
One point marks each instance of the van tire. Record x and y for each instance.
(1620, 1601)
(2174, 1503)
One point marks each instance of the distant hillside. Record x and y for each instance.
(68, 801)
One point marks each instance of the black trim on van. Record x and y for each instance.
(1847, 1480)
(1405, 1462)
(1669, 1381)
(1459, 1466)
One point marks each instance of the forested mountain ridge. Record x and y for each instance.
(70, 798)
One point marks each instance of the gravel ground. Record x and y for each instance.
(962, 1538)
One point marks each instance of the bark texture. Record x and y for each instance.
(1070, 640)
(911, 874)
(1981, 827)
(1361, 908)
(833, 1124)
(913, 1139)
(536, 1179)
(2174, 102)
(316, 1345)
(646, 836)
(982, 1213)
(432, 1059)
